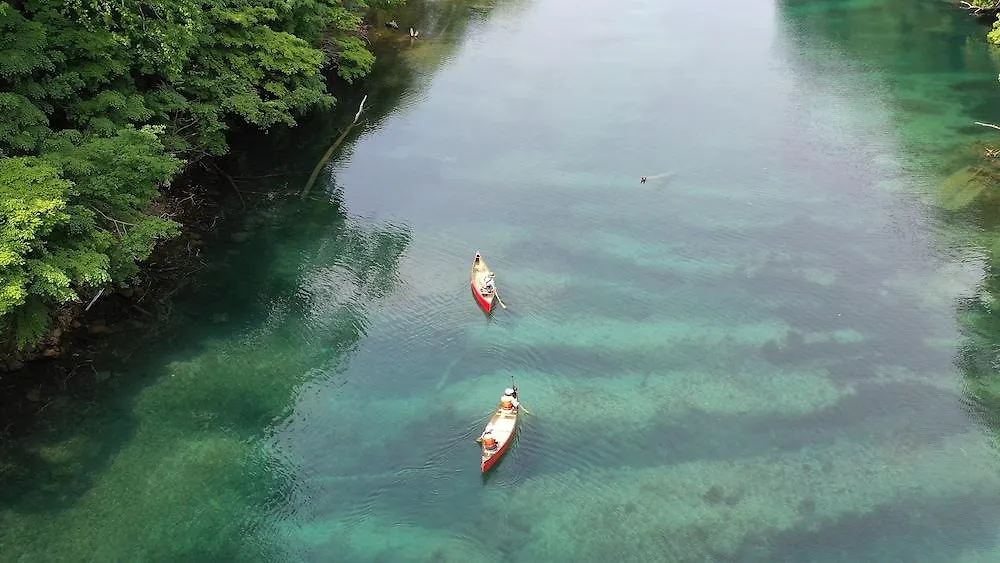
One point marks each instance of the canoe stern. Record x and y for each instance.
(490, 459)
(485, 304)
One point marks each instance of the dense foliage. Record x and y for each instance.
(104, 103)
(986, 9)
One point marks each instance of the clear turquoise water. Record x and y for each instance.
(774, 350)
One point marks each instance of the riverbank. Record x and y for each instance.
(211, 201)
(90, 168)
(68, 362)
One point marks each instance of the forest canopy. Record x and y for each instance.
(105, 103)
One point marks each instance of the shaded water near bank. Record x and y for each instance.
(779, 348)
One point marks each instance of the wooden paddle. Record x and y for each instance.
(514, 385)
(500, 301)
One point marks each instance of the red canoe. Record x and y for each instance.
(499, 432)
(481, 274)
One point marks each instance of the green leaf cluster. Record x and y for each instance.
(994, 34)
(104, 102)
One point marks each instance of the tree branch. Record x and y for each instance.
(89, 305)
(329, 152)
(980, 10)
(231, 182)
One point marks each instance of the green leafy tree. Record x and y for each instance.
(115, 180)
(33, 209)
(994, 35)
(103, 104)
(75, 219)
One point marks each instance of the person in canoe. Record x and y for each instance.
(508, 403)
(489, 442)
(489, 286)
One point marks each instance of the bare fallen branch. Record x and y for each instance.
(329, 152)
(980, 10)
(114, 221)
(231, 182)
(275, 175)
(91, 304)
(360, 109)
(141, 310)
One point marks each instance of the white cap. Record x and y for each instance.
(508, 391)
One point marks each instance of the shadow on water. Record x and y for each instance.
(208, 394)
(403, 71)
(936, 529)
(188, 422)
(968, 221)
(933, 114)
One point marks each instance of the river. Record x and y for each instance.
(778, 348)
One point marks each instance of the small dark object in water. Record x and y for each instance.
(642, 180)
(392, 24)
(714, 495)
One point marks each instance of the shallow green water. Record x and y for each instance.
(765, 353)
